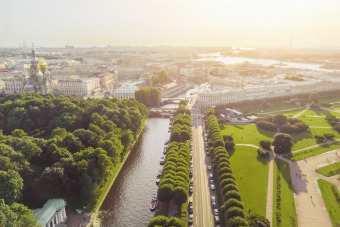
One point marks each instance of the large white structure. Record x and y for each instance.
(128, 73)
(208, 98)
(125, 92)
(51, 214)
(81, 87)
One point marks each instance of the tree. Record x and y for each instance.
(232, 203)
(280, 119)
(329, 136)
(182, 102)
(11, 186)
(16, 215)
(165, 192)
(256, 220)
(238, 222)
(314, 97)
(235, 212)
(282, 143)
(265, 144)
(180, 195)
(229, 144)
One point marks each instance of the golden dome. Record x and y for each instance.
(42, 63)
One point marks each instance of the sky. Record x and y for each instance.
(246, 23)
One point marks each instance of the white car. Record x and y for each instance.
(209, 167)
(216, 212)
(212, 187)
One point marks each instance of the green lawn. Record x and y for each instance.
(311, 152)
(254, 171)
(250, 134)
(288, 113)
(275, 108)
(329, 197)
(320, 113)
(314, 121)
(330, 170)
(286, 207)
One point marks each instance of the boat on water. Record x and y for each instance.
(152, 206)
(162, 161)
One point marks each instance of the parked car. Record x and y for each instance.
(209, 167)
(213, 204)
(191, 219)
(212, 187)
(191, 189)
(217, 220)
(191, 173)
(211, 181)
(191, 209)
(212, 198)
(216, 212)
(190, 202)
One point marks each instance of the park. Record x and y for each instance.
(295, 184)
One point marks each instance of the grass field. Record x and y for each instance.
(286, 207)
(329, 197)
(288, 113)
(254, 183)
(330, 170)
(250, 134)
(311, 152)
(275, 108)
(320, 113)
(314, 121)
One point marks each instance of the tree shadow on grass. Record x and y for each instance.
(263, 159)
(231, 151)
(266, 133)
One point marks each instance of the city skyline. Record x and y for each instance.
(175, 23)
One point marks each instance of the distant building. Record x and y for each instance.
(125, 92)
(39, 80)
(128, 73)
(107, 80)
(52, 214)
(81, 87)
(173, 88)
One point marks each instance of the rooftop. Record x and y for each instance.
(43, 215)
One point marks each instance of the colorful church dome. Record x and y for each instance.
(39, 74)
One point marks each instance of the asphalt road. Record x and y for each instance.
(203, 216)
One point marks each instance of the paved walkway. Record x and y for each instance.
(316, 145)
(278, 111)
(299, 114)
(320, 126)
(310, 207)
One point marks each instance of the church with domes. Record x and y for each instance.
(39, 80)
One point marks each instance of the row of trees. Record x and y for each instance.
(181, 128)
(175, 179)
(70, 149)
(281, 123)
(233, 205)
(150, 97)
(165, 222)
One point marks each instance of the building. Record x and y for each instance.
(208, 98)
(107, 80)
(80, 87)
(52, 214)
(125, 92)
(39, 80)
(173, 88)
(128, 73)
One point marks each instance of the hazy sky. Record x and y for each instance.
(258, 23)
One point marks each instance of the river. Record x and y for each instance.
(129, 199)
(264, 62)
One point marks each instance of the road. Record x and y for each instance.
(201, 197)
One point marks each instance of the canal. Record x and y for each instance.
(128, 202)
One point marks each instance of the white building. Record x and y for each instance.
(125, 92)
(187, 71)
(208, 98)
(81, 87)
(51, 214)
(127, 73)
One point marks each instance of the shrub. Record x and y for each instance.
(238, 222)
(223, 164)
(262, 152)
(224, 170)
(229, 144)
(235, 212)
(265, 144)
(229, 187)
(232, 203)
(226, 176)
(329, 136)
(282, 143)
(320, 138)
(165, 192)
(256, 220)
(232, 195)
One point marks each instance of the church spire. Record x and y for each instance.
(33, 50)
